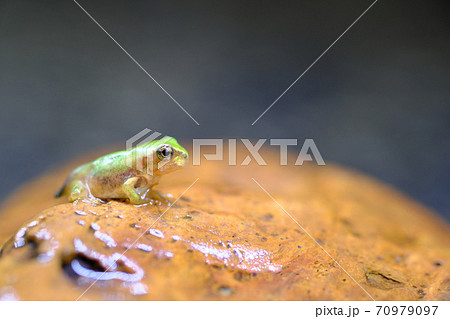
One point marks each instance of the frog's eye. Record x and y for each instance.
(165, 152)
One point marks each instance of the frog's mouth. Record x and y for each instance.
(178, 161)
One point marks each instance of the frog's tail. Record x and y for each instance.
(63, 188)
(73, 176)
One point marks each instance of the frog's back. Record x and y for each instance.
(100, 166)
(113, 161)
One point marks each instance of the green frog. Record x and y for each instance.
(128, 175)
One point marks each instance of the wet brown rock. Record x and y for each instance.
(226, 239)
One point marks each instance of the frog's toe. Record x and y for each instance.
(157, 198)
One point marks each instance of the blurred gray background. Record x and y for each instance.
(378, 101)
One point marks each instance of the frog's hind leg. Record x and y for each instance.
(80, 191)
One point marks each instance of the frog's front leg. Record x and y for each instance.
(138, 190)
(132, 192)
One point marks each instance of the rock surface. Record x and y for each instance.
(226, 239)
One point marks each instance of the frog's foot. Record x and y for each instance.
(157, 198)
(93, 200)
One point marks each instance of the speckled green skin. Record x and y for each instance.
(129, 174)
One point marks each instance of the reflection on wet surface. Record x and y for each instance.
(239, 256)
(90, 264)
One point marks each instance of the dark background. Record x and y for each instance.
(378, 101)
